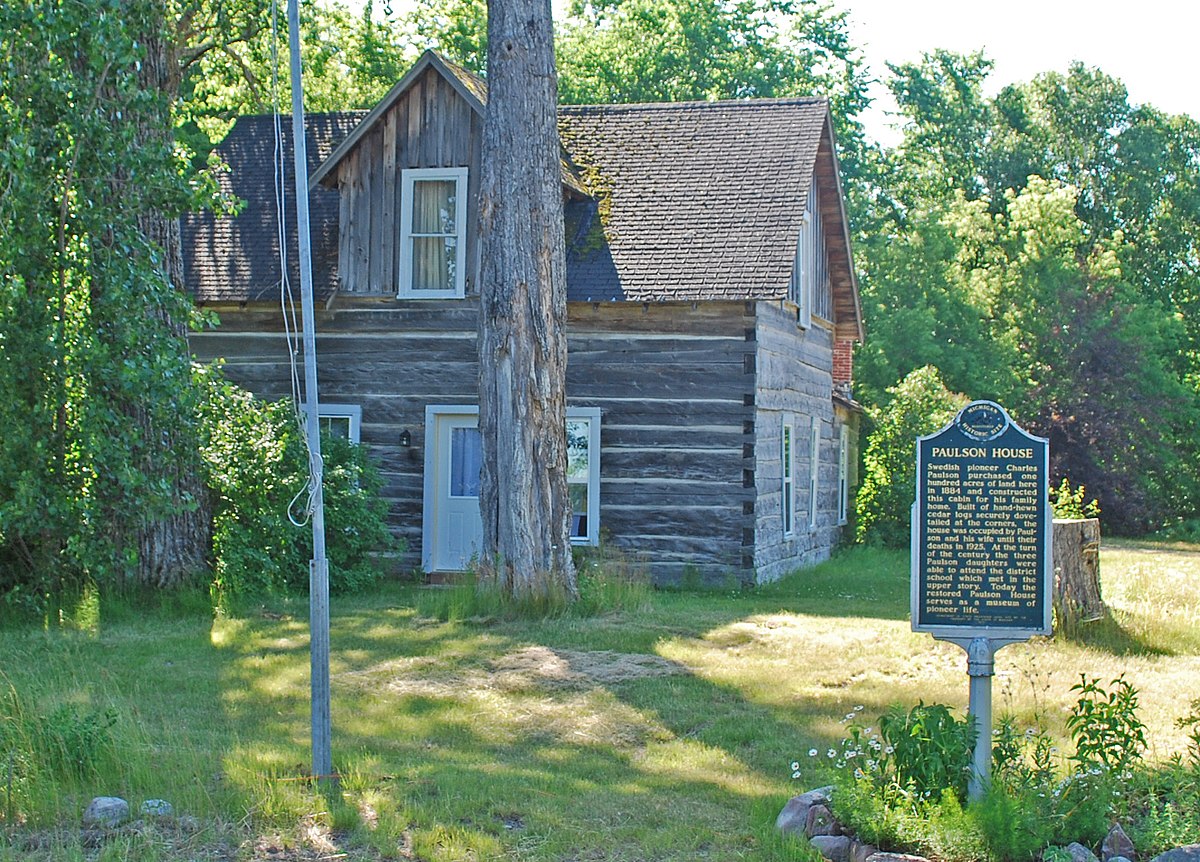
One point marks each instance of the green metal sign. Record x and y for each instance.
(981, 530)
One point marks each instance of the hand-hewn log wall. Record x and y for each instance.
(794, 378)
(674, 382)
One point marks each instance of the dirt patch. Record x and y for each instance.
(531, 667)
(575, 669)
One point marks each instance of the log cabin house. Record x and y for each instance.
(712, 311)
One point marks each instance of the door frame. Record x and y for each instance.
(435, 412)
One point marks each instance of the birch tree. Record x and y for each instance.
(522, 325)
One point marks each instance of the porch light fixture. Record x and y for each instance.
(405, 439)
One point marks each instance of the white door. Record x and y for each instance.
(456, 526)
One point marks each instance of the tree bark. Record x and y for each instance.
(1076, 555)
(173, 546)
(522, 327)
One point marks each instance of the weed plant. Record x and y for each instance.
(904, 788)
(608, 579)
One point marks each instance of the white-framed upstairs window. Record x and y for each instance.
(788, 486)
(583, 473)
(340, 420)
(843, 474)
(800, 290)
(433, 229)
(814, 466)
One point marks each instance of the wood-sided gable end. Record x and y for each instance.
(847, 307)
(433, 118)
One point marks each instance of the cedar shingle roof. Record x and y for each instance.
(697, 200)
(236, 259)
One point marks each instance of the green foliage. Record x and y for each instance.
(256, 466)
(93, 369)
(70, 740)
(1105, 727)
(928, 749)
(904, 788)
(1071, 504)
(350, 60)
(1071, 799)
(609, 579)
(919, 405)
(1040, 249)
(909, 783)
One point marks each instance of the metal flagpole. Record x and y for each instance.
(318, 575)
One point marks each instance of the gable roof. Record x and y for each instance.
(236, 258)
(470, 86)
(688, 200)
(698, 200)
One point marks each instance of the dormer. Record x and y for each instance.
(405, 177)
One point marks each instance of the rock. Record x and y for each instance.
(835, 848)
(820, 821)
(1116, 843)
(860, 851)
(106, 811)
(1120, 859)
(895, 857)
(794, 816)
(1187, 853)
(157, 808)
(1079, 853)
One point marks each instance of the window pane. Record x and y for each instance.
(579, 510)
(337, 426)
(434, 207)
(433, 263)
(466, 459)
(577, 450)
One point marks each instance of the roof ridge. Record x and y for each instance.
(698, 103)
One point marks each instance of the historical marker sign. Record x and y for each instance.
(981, 530)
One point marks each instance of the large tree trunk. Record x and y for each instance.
(174, 545)
(522, 338)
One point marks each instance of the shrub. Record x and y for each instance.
(1070, 504)
(256, 467)
(920, 404)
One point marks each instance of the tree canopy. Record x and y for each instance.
(1040, 248)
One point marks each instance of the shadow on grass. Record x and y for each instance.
(481, 739)
(1108, 635)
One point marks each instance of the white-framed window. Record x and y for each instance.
(340, 420)
(583, 473)
(800, 289)
(814, 464)
(810, 288)
(433, 229)
(788, 487)
(843, 474)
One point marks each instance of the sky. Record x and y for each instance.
(1147, 44)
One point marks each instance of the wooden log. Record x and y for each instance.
(1076, 549)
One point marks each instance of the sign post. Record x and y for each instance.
(981, 573)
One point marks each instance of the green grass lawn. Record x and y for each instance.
(661, 733)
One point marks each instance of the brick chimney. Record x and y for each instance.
(843, 366)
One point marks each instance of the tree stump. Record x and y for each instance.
(1076, 555)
